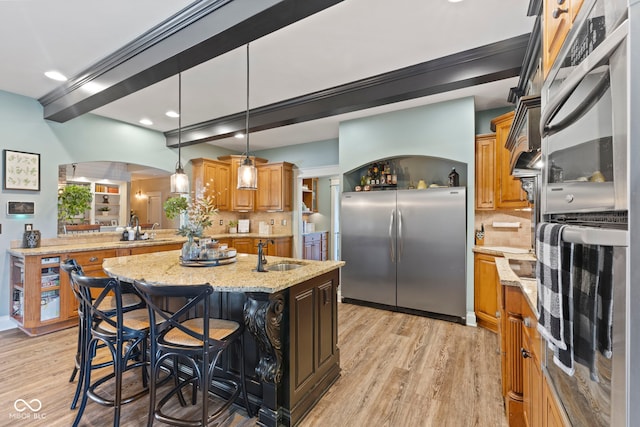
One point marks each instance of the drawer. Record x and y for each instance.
(91, 258)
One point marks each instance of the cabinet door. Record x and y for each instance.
(307, 249)
(269, 184)
(244, 245)
(486, 285)
(552, 415)
(554, 30)
(509, 190)
(241, 200)
(283, 247)
(218, 175)
(485, 171)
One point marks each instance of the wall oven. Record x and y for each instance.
(585, 148)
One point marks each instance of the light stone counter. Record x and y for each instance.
(163, 268)
(509, 278)
(82, 246)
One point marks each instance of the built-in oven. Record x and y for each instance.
(583, 121)
(585, 186)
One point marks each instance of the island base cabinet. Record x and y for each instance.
(315, 358)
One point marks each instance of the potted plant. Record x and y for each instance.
(199, 212)
(73, 201)
(233, 227)
(105, 210)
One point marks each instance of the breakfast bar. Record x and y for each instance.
(291, 352)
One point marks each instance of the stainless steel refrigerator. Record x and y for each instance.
(406, 249)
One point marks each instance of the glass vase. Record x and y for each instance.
(190, 250)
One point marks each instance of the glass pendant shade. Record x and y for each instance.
(247, 172)
(247, 175)
(179, 182)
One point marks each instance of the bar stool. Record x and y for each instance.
(198, 342)
(130, 301)
(123, 333)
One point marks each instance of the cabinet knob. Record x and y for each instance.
(497, 314)
(525, 353)
(561, 2)
(93, 259)
(568, 198)
(527, 322)
(558, 11)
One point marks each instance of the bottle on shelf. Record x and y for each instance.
(454, 178)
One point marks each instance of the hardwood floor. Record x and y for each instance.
(397, 370)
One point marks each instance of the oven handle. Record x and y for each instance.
(595, 236)
(599, 54)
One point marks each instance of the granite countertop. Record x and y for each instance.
(163, 268)
(83, 243)
(94, 246)
(509, 278)
(499, 250)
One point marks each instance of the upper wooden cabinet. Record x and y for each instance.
(558, 17)
(217, 176)
(275, 187)
(485, 171)
(241, 200)
(509, 192)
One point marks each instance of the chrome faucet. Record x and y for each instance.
(137, 226)
(262, 260)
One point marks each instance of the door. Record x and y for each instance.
(154, 208)
(431, 250)
(368, 246)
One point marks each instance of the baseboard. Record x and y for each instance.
(471, 318)
(6, 323)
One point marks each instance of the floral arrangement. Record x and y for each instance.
(199, 211)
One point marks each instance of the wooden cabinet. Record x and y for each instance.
(241, 200)
(531, 352)
(275, 187)
(281, 246)
(557, 19)
(315, 246)
(215, 175)
(310, 195)
(41, 297)
(508, 190)
(511, 356)
(485, 171)
(313, 339)
(529, 399)
(486, 285)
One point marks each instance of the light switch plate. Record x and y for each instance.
(272, 221)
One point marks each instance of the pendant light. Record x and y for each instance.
(179, 180)
(247, 173)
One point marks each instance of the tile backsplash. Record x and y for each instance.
(498, 230)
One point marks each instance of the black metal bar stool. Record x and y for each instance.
(123, 333)
(197, 342)
(130, 301)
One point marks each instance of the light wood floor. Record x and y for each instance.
(397, 370)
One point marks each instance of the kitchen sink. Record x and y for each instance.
(523, 268)
(283, 266)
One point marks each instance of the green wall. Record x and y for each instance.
(312, 154)
(445, 130)
(483, 118)
(86, 138)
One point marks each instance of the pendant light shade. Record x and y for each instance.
(179, 180)
(247, 173)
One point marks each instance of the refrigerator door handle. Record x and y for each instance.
(392, 250)
(400, 240)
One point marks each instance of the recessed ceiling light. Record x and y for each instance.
(56, 75)
(455, 1)
(239, 135)
(172, 114)
(146, 122)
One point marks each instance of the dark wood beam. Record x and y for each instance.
(198, 33)
(484, 64)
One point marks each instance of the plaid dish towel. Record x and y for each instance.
(552, 313)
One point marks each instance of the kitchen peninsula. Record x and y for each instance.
(291, 351)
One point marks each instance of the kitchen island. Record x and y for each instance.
(291, 353)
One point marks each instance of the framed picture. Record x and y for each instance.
(21, 170)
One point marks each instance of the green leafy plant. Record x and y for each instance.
(199, 211)
(73, 200)
(105, 209)
(233, 223)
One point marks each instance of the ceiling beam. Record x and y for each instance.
(472, 67)
(200, 32)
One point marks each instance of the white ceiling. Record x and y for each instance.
(349, 41)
